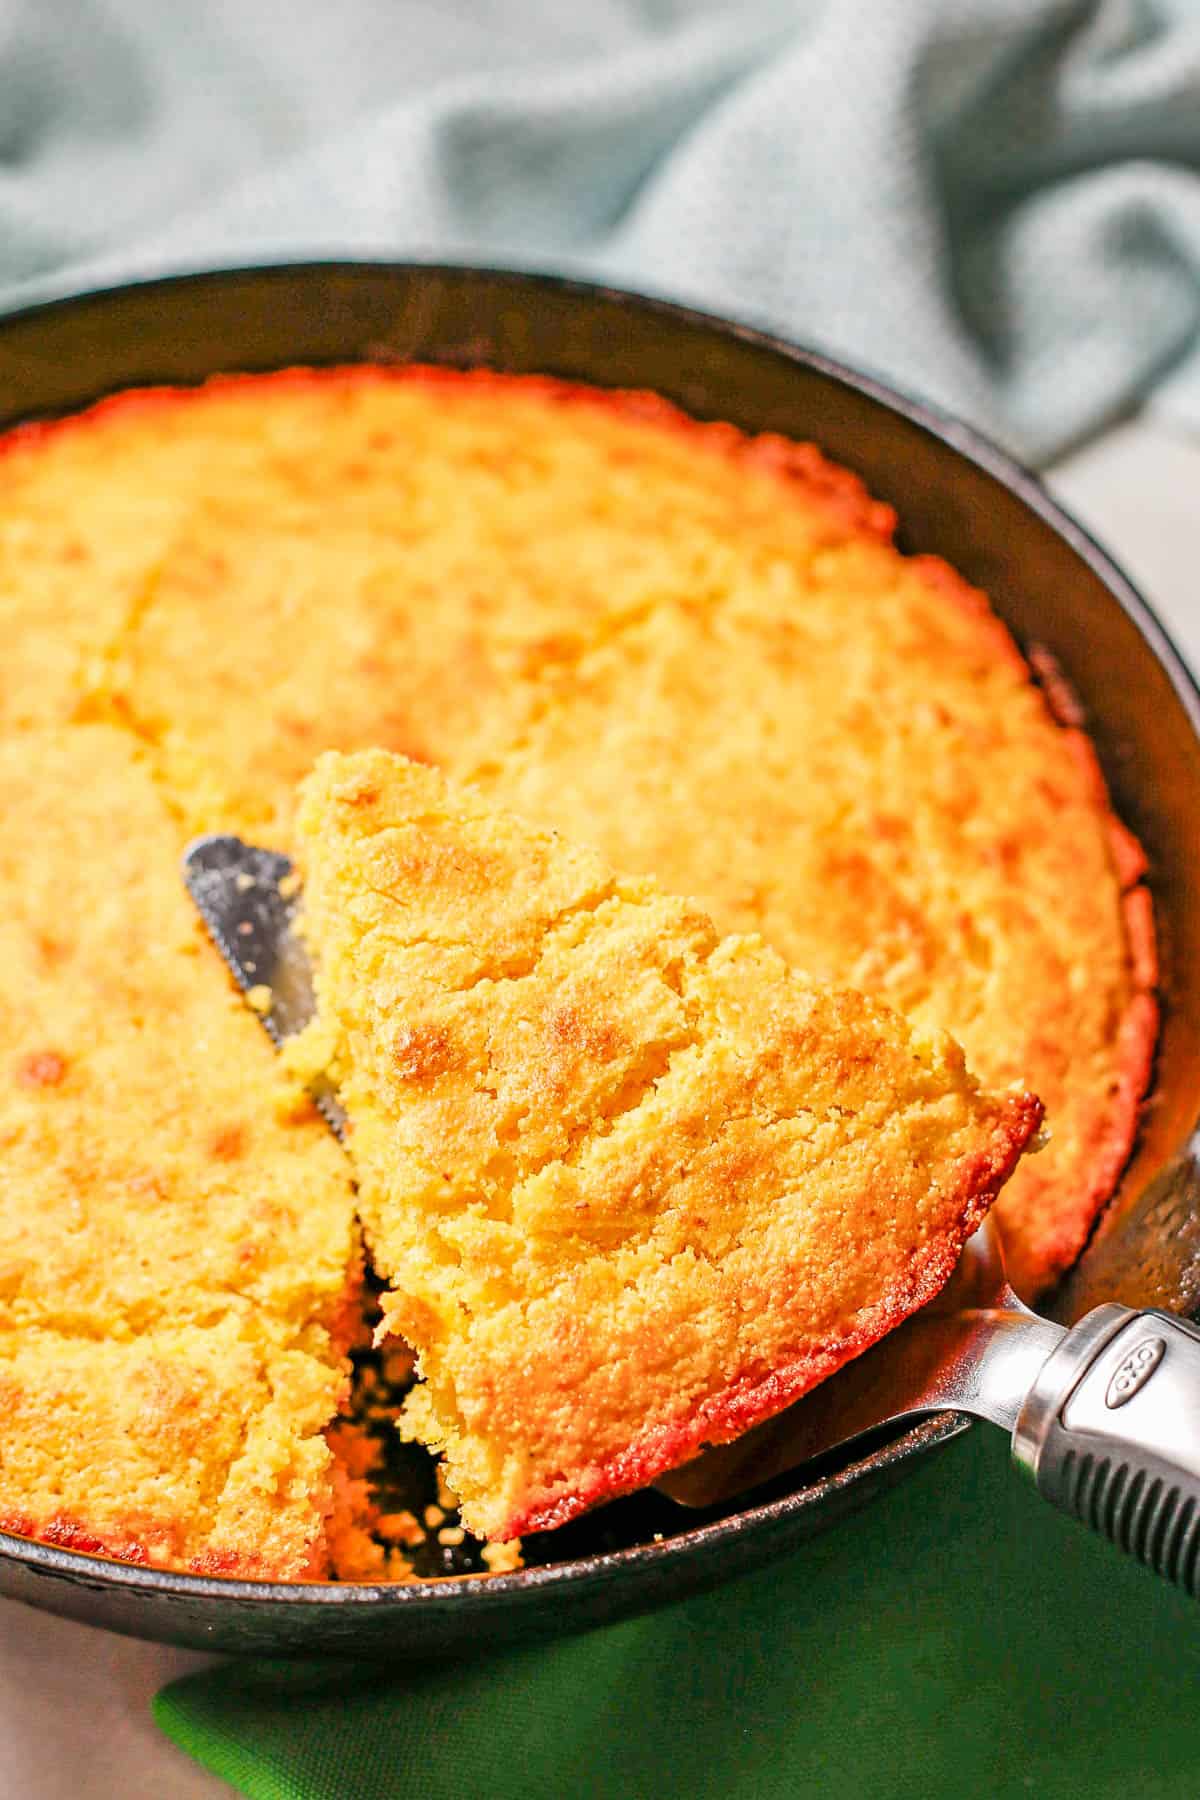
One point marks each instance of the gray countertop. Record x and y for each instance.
(75, 1702)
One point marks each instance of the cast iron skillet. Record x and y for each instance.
(956, 494)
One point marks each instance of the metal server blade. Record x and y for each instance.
(247, 904)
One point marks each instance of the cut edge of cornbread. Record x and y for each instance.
(635, 1187)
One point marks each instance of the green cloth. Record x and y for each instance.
(959, 1638)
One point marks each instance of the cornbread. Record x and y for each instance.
(696, 650)
(634, 1186)
(179, 1262)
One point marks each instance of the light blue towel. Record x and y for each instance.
(994, 202)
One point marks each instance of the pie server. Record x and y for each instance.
(1105, 1416)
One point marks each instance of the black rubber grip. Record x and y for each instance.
(1148, 1515)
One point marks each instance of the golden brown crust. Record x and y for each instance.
(822, 482)
(130, 1544)
(634, 1188)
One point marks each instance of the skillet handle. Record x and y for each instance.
(1110, 1432)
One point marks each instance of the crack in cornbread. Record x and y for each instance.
(634, 1186)
(179, 1264)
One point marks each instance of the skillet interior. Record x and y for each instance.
(956, 495)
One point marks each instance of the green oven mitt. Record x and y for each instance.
(958, 1639)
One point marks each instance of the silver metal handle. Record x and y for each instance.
(1110, 1432)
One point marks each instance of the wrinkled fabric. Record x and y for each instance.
(993, 202)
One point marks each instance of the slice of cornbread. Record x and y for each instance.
(162, 1221)
(634, 1186)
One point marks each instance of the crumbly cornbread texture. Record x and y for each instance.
(634, 1186)
(178, 1259)
(197, 1447)
(696, 650)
